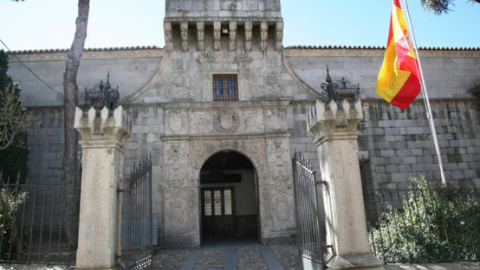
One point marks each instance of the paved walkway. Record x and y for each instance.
(239, 256)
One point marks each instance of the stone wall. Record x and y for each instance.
(147, 129)
(168, 96)
(448, 73)
(45, 141)
(301, 140)
(223, 9)
(399, 144)
(130, 70)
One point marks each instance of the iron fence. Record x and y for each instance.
(421, 224)
(38, 223)
(136, 242)
(308, 205)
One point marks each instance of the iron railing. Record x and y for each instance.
(136, 242)
(102, 95)
(38, 223)
(421, 224)
(339, 91)
(310, 236)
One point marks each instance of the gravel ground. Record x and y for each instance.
(287, 256)
(171, 259)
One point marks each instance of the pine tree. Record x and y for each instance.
(440, 6)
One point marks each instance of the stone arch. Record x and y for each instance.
(228, 179)
(205, 159)
(255, 150)
(211, 148)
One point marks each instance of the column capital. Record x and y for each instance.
(114, 127)
(334, 121)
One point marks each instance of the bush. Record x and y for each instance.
(433, 225)
(10, 201)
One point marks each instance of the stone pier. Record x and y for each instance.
(334, 126)
(103, 137)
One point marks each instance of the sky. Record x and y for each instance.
(50, 24)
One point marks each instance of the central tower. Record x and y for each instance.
(226, 96)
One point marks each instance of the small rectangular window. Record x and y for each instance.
(217, 202)
(227, 195)
(208, 202)
(225, 87)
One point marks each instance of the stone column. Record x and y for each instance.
(335, 129)
(102, 142)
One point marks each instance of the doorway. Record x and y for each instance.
(229, 200)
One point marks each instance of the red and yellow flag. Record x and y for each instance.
(399, 80)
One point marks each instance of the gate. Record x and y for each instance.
(136, 224)
(307, 208)
(38, 224)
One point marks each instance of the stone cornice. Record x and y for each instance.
(373, 52)
(228, 105)
(260, 136)
(223, 19)
(60, 55)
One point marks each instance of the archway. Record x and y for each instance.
(229, 199)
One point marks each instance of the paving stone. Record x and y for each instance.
(213, 252)
(249, 258)
(248, 249)
(211, 260)
(229, 257)
(253, 267)
(171, 259)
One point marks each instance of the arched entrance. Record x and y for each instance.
(229, 200)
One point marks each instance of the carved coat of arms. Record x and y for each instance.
(226, 121)
(175, 121)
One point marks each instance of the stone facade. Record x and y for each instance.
(167, 92)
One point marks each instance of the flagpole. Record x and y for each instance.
(425, 97)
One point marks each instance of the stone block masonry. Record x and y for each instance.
(400, 144)
(46, 140)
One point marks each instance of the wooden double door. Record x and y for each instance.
(218, 212)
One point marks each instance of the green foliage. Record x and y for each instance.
(433, 225)
(13, 128)
(440, 6)
(475, 90)
(10, 201)
(437, 6)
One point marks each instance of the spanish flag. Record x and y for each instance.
(399, 80)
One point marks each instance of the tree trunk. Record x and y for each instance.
(70, 88)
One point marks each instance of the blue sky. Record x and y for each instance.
(49, 24)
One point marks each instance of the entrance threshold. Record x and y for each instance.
(229, 241)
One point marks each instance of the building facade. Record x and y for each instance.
(222, 108)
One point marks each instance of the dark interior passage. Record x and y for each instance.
(229, 204)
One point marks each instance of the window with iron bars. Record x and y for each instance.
(225, 87)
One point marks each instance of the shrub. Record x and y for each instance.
(10, 201)
(432, 225)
